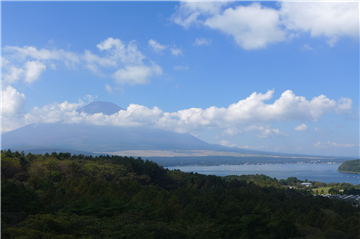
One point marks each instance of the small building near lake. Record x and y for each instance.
(306, 184)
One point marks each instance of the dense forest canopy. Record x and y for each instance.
(351, 166)
(60, 195)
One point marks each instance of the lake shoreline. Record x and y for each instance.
(320, 172)
(246, 164)
(347, 172)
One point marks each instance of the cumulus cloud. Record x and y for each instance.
(254, 110)
(52, 113)
(252, 26)
(188, 13)
(269, 133)
(33, 70)
(264, 131)
(227, 143)
(332, 20)
(202, 41)
(255, 26)
(155, 46)
(13, 102)
(136, 74)
(121, 59)
(13, 75)
(301, 127)
(250, 114)
(176, 51)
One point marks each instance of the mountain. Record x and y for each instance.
(92, 139)
(107, 108)
(98, 138)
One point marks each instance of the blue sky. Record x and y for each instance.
(273, 76)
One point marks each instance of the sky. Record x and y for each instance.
(271, 76)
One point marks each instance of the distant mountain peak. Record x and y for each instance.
(107, 108)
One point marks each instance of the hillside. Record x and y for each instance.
(99, 138)
(351, 166)
(76, 196)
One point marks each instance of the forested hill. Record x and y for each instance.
(351, 166)
(76, 196)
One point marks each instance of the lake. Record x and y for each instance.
(313, 172)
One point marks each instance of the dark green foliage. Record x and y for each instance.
(352, 191)
(351, 166)
(76, 196)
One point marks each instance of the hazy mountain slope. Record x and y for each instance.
(95, 138)
(107, 108)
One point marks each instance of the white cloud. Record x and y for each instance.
(250, 114)
(102, 61)
(136, 74)
(255, 26)
(264, 131)
(176, 51)
(329, 19)
(52, 113)
(13, 102)
(316, 129)
(252, 26)
(33, 70)
(231, 132)
(332, 144)
(118, 51)
(13, 75)
(188, 12)
(253, 110)
(108, 88)
(306, 47)
(202, 41)
(155, 46)
(124, 60)
(301, 127)
(179, 68)
(42, 54)
(227, 143)
(270, 133)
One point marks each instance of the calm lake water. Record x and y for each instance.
(313, 172)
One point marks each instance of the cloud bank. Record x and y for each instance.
(250, 114)
(254, 26)
(116, 59)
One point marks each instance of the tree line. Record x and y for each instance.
(60, 195)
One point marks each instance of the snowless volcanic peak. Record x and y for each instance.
(107, 108)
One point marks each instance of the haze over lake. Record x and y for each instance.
(326, 173)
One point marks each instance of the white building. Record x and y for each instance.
(306, 184)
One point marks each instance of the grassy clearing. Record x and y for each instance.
(326, 189)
